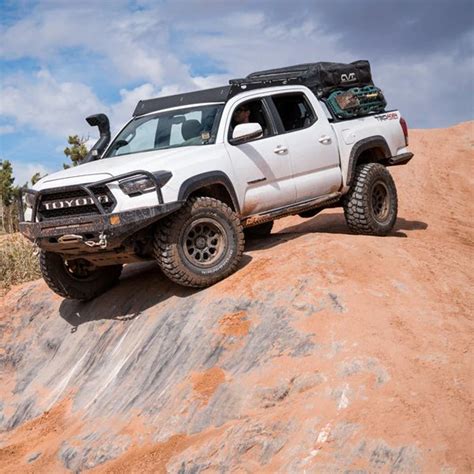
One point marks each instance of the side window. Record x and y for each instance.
(176, 134)
(250, 111)
(294, 110)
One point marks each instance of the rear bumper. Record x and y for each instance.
(116, 227)
(402, 159)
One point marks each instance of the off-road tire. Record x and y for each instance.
(259, 231)
(200, 244)
(57, 276)
(371, 206)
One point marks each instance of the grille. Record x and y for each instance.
(84, 210)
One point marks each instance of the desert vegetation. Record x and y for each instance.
(18, 261)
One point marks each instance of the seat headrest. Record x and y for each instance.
(191, 129)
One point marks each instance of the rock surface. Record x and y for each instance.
(325, 352)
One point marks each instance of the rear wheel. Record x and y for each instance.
(200, 244)
(371, 206)
(77, 279)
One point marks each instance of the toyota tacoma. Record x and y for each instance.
(190, 175)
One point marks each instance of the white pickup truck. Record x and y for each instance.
(188, 173)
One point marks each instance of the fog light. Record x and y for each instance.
(114, 220)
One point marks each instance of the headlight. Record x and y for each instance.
(29, 200)
(137, 186)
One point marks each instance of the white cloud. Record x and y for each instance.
(121, 111)
(133, 45)
(410, 88)
(244, 42)
(47, 105)
(153, 44)
(23, 172)
(59, 108)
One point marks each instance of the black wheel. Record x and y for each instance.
(200, 244)
(77, 279)
(371, 205)
(259, 231)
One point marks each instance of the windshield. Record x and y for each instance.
(181, 127)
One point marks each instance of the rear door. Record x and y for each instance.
(262, 166)
(312, 145)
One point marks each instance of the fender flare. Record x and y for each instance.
(207, 179)
(376, 141)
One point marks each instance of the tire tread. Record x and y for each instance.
(165, 243)
(356, 202)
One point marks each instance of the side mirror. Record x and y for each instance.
(244, 132)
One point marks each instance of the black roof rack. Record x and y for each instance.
(217, 94)
(245, 84)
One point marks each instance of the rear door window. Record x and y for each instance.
(294, 110)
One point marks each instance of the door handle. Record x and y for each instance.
(280, 149)
(325, 140)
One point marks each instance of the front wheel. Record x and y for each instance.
(77, 279)
(371, 206)
(200, 244)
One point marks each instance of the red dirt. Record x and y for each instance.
(43, 434)
(382, 381)
(235, 324)
(206, 383)
(151, 458)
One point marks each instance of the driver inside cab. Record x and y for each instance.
(241, 115)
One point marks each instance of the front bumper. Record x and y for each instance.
(94, 231)
(116, 227)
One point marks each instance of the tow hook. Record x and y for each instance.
(102, 242)
(74, 238)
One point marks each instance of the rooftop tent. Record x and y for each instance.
(322, 77)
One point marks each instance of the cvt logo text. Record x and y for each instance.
(351, 77)
(66, 203)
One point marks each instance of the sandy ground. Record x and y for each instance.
(325, 352)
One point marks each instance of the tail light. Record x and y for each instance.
(404, 126)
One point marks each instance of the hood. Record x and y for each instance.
(155, 160)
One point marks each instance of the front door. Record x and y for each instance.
(262, 165)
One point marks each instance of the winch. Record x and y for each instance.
(75, 238)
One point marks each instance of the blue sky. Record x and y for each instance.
(63, 60)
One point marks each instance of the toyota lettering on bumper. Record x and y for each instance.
(75, 202)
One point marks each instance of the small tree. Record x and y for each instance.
(6, 182)
(77, 151)
(6, 193)
(35, 178)
(13, 210)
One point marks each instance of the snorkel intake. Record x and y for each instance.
(102, 122)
